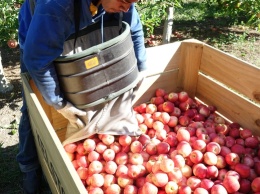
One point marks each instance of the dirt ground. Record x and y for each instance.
(11, 102)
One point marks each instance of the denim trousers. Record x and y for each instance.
(27, 157)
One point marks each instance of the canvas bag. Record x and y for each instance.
(111, 114)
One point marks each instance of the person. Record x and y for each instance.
(42, 33)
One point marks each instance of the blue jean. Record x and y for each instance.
(27, 156)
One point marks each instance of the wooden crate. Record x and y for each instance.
(207, 74)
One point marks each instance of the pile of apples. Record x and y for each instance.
(185, 147)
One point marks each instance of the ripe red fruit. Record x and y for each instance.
(244, 133)
(12, 43)
(160, 92)
(231, 184)
(184, 120)
(243, 170)
(251, 142)
(168, 106)
(183, 96)
(173, 97)
(255, 185)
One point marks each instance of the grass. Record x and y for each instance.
(9, 170)
(209, 25)
(194, 20)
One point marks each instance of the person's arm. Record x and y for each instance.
(133, 19)
(44, 43)
(49, 28)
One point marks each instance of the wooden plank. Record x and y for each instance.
(56, 119)
(163, 62)
(44, 166)
(230, 104)
(167, 81)
(231, 71)
(64, 175)
(191, 51)
(163, 58)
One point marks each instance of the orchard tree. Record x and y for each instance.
(8, 34)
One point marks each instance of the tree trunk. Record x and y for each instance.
(4, 85)
(167, 30)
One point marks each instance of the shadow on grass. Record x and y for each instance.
(10, 175)
(207, 24)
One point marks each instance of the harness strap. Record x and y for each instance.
(77, 5)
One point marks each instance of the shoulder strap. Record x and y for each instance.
(77, 5)
(32, 6)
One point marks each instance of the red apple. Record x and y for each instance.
(231, 184)
(196, 156)
(108, 154)
(244, 133)
(173, 97)
(108, 139)
(95, 167)
(101, 147)
(232, 158)
(252, 142)
(178, 160)
(149, 188)
(199, 145)
(113, 188)
(121, 158)
(133, 171)
(200, 170)
(193, 182)
(184, 148)
(212, 172)
(97, 180)
(171, 187)
(184, 189)
(124, 180)
(218, 189)
(221, 162)
(186, 171)
(210, 158)
(110, 167)
(255, 185)
(71, 147)
(245, 186)
(184, 120)
(125, 140)
(200, 190)
(12, 43)
(151, 108)
(206, 184)
(183, 135)
(213, 147)
(163, 148)
(168, 106)
(130, 189)
(160, 179)
(243, 170)
(183, 96)
(82, 172)
(160, 92)
(136, 158)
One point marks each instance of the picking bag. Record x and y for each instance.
(99, 74)
(103, 66)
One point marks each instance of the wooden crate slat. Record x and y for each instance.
(47, 142)
(191, 51)
(231, 71)
(228, 103)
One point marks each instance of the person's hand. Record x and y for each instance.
(71, 113)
